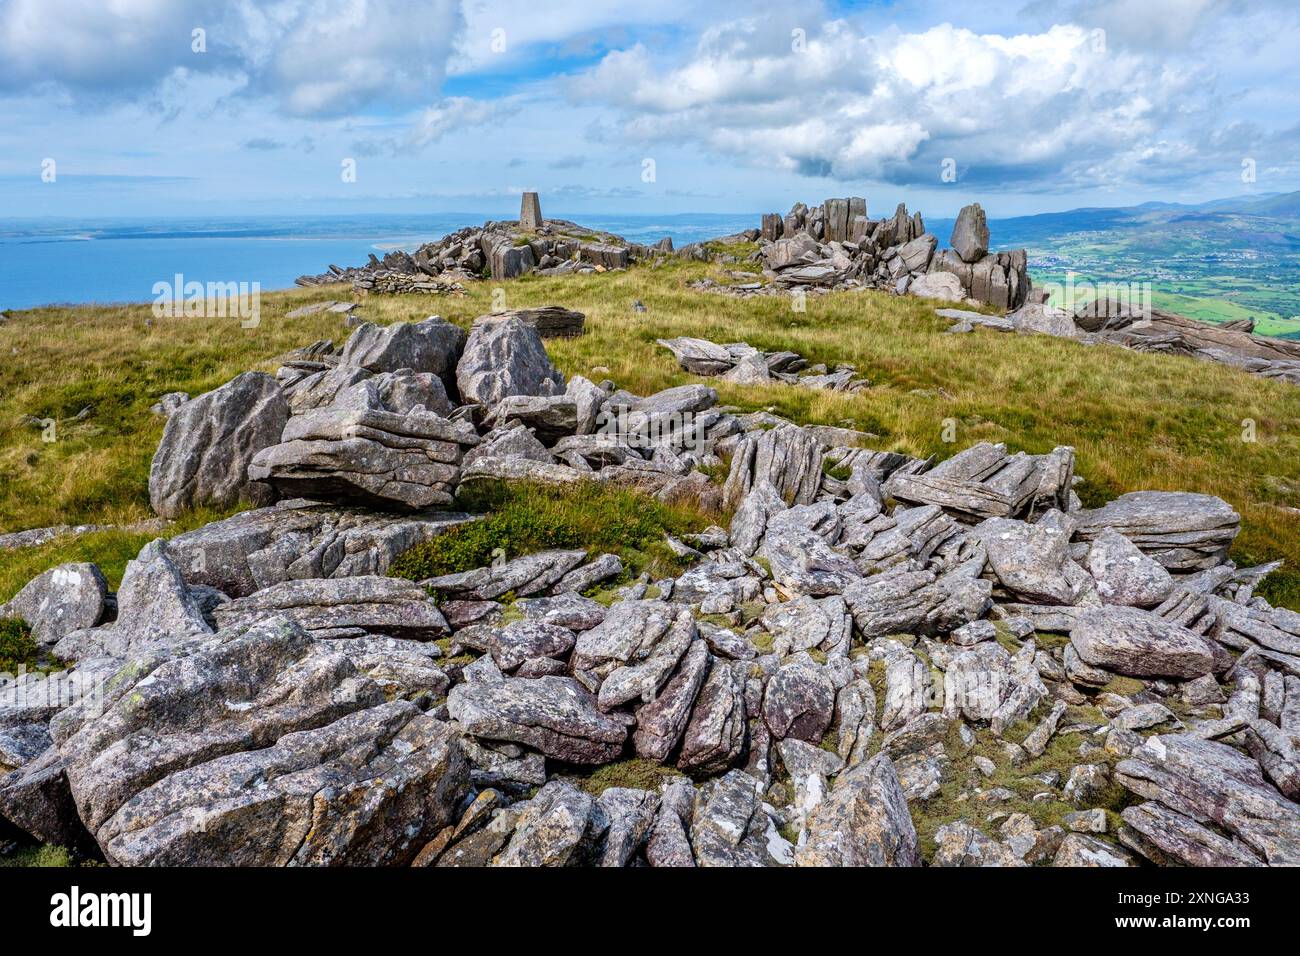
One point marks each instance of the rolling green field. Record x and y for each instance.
(1211, 266)
(1137, 421)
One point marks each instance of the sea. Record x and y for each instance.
(120, 260)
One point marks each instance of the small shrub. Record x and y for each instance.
(17, 648)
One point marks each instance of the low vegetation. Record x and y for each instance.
(1136, 421)
(525, 518)
(17, 648)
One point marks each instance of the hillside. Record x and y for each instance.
(1216, 261)
(1136, 421)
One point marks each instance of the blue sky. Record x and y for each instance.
(458, 105)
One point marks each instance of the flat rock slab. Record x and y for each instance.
(1181, 530)
(1140, 644)
(368, 603)
(554, 715)
(300, 539)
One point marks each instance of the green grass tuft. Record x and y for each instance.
(17, 648)
(523, 518)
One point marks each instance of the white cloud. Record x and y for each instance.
(891, 106)
(317, 58)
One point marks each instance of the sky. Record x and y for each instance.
(174, 108)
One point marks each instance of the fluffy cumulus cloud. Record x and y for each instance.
(1062, 107)
(310, 58)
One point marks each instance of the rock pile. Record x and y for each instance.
(743, 364)
(836, 245)
(497, 250)
(873, 642)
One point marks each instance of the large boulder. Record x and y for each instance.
(404, 462)
(970, 234)
(1032, 561)
(209, 442)
(938, 285)
(863, 821)
(263, 747)
(505, 357)
(60, 601)
(1131, 641)
(434, 345)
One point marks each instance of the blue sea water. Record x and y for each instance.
(119, 260)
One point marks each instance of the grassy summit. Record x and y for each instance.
(1137, 421)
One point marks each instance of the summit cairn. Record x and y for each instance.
(530, 212)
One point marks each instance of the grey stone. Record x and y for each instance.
(299, 539)
(1182, 531)
(553, 828)
(661, 723)
(524, 576)
(799, 701)
(267, 732)
(154, 606)
(970, 234)
(59, 601)
(1218, 786)
(1135, 642)
(1032, 561)
(505, 357)
(375, 605)
(731, 828)
(1125, 575)
(633, 651)
(433, 345)
(209, 442)
(555, 715)
(406, 462)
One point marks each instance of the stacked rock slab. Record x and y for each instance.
(265, 730)
(408, 462)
